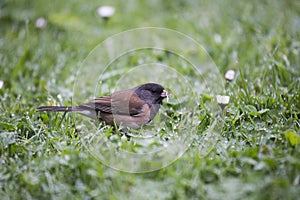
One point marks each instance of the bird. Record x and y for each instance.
(130, 108)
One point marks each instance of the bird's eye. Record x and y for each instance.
(155, 92)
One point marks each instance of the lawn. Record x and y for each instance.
(250, 149)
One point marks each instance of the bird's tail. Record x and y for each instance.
(92, 113)
(56, 108)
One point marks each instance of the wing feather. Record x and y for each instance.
(124, 102)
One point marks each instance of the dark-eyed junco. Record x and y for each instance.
(130, 108)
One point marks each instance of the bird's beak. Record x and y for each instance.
(164, 94)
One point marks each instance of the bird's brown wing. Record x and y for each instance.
(102, 104)
(124, 102)
(132, 121)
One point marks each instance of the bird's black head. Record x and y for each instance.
(152, 93)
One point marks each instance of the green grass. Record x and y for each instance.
(257, 154)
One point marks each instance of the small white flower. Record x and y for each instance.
(106, 11)
(230, 75)
(223, 99)
(41, 22)
(1, 84)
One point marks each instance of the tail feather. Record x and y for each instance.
(56, 108)
(83, 111)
